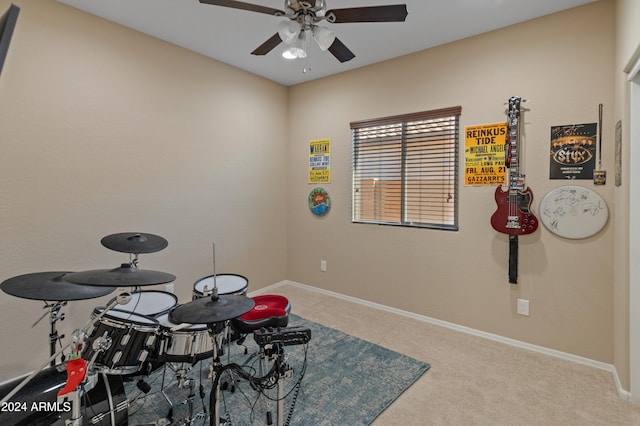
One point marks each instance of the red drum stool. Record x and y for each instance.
(270, 310)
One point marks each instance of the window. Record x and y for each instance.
(405, 169)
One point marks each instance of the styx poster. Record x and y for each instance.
(573, 151)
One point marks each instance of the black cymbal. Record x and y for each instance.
(50, 286)
(134, 242)
(124, 276)
(208, 310)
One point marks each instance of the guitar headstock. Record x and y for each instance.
(514, 107)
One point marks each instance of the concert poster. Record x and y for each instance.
(484, 154)
(320, 161)
(573, 151)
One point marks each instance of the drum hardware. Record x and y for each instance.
(227, 284)
(106, 400)
(78, 339)
(272, 342)
(185, 381)
(134, 242)
(101, 344)
(182, 356)
(214, 292)
(148, 302)
(274, 354)
(54, 316)
(183, 343)
(212, 309)
(267, 320)
(216, 332)
(271, 353)
(288, 336)
(51, 287)
(75, 397)
(133, 340)
(214, 396)
(127, 275)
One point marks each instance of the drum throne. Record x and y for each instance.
(270, 310)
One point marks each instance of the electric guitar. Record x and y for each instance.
(513, 215)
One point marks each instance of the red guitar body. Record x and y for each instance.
(514, 216)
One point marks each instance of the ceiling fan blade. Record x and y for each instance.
(393, 13)
(268, 45)
(244, 6)
(340, 51)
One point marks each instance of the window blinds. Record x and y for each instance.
(405, 169)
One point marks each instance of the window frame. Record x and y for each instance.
(403, 120)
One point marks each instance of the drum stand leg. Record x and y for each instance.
(233, 379)
(215, 332)
(76, 414)
(54, 337)
(276, 355)
(170, 414)
(183, 383)
(76, 396)
(281, 400)
(214, 397)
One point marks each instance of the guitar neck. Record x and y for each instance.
(516, 180)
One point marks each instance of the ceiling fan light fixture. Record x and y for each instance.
(297, 49)
(324, 37)
(294, 53)
(289, 31)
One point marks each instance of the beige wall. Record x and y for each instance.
(565, 71)
(106, 130)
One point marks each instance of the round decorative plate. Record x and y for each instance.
(319, 202)
(573, 212)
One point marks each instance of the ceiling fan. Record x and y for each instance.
(304, 17)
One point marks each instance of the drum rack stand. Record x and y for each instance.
(54, 337)
(184, 381)
(79, 337)
(218, 336)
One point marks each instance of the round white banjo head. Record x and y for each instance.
(573, 212)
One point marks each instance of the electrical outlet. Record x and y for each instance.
(523, 307)
(169, 288)
(323, 265)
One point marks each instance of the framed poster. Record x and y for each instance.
(484, 154)
(320, 161)
(573, 151)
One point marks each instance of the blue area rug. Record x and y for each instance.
(347, 381)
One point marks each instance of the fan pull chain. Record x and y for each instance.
(307, 59)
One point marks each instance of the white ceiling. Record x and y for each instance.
(229, 35)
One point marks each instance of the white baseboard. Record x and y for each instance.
(535, 348)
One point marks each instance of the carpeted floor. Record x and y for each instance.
(346, 381)
(473, 380)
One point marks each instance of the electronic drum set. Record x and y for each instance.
(137, 332)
